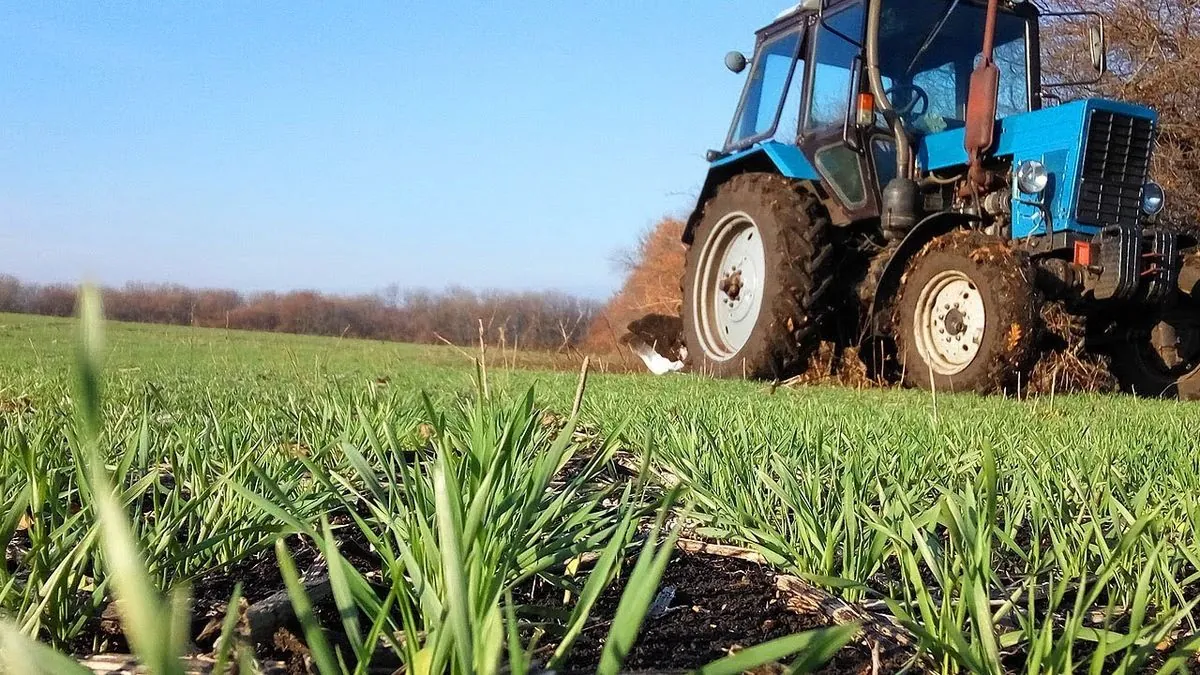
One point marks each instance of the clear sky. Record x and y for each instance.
(274, 145)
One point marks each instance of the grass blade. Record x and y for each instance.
(314, 636)
(820, 646)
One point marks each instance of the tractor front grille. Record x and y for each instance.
(1116, 162)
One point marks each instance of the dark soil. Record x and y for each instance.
(719, 605)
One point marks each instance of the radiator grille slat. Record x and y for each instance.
(1116, 163)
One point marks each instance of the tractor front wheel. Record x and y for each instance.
(756, 277)
(967, 315)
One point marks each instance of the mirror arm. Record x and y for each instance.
(1103, 49)
(850, 132)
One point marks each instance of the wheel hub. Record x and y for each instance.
(949, 323)
(1170, 347)
(1165, 340)
(956, 322)
(728, 291)
(731, 285)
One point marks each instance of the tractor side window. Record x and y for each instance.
(930, 47)
(789, 119)
(883, 152)
(842, 169)
(1010, 58)
(764, 94)
(832, 75)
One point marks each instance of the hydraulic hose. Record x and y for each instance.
(875, 80)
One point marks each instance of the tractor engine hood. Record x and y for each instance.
(1097, 153)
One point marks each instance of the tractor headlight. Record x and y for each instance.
(1153, 198)
(1032, 177)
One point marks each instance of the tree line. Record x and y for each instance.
(532, 320)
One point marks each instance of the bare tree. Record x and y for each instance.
(1154, 60)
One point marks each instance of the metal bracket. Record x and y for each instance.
(1163, 268)
(1119, 262)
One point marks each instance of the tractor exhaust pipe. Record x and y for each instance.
(875, 80)
(899, 208)
(980, 133)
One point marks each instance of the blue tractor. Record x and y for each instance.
(895, 161)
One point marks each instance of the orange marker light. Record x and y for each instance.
(866, 109)
(1083, 253)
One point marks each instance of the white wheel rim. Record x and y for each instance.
(949, 322)
(727, 292)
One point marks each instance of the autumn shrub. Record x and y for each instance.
(653, 269)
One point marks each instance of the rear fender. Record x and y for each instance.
(888, 284)
(767, 157)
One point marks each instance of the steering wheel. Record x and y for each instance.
(917, 96)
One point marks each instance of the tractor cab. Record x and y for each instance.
(806, 89)
(929, 49)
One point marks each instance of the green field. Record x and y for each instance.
(1030, 536)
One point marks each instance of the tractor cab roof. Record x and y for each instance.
(792, 14)
(809, 5)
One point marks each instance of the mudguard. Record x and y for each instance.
(893, 271)
(767, 157)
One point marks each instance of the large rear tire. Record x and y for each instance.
(755, 280)
(1171, 370)
(967, 315)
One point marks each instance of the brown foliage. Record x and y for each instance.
(653, 268)
(534, 320)
(829, 365)
(1064, 363)
(54, 300)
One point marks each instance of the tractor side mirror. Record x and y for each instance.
(1099, 47)
(735, 62)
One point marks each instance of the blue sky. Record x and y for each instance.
(348, 146)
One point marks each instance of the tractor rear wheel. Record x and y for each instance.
(755, 279)
(1161, 357)
(967, 315)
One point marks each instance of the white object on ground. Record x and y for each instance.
(657, 363)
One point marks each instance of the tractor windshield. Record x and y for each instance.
(767, 89)
(930, 86)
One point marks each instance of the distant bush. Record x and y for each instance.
(653, 269)
(533, 320)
